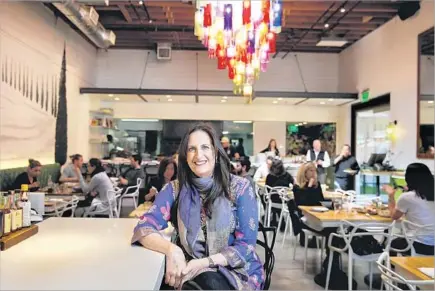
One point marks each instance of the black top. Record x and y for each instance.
(132, 174)
(308, 196)
(346, 164)
(231, 151)
(268, 150)
(155, 182)
(279, 181)
(23, 178)
(241, 150)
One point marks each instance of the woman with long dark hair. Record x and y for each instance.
(416, 205)
(167, 173)
(215, 214)
(97, 189)
(272, 147)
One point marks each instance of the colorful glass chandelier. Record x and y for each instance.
(241, 35)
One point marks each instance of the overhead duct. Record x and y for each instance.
(86, 19)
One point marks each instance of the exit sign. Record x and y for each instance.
(365, 95)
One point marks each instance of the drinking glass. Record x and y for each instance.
(338, 204)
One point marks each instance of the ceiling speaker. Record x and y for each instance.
(408, 9)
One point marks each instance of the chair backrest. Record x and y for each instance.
(410, 232)
(379, 230)
(283, 192)
(70, 205)
(268, 245)
(392, 279)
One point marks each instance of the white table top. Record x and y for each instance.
(81, 254)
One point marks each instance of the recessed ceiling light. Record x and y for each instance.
(150, 21)
(116, 99)
(304, 122)
(140, 120)
(342, 10)
(225, 132)
(279, 99)
(322, 103)
(242, 121)
(331, 99)
(430, 102)
(223, 100)
(140, 2)
(225, 97)
(326, 25)
(169, 100)
(274, 102)
(110, 95)
(168, 96)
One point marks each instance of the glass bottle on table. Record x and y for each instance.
(13, 209)
(7, 225)
(25, 205)
(2, 214)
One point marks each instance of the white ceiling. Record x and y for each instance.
(224, 100)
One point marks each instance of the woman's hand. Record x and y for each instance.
(175, 264)
(151, 194)
(34, 185)
(312, 182)
(195, 265)
(389, 190)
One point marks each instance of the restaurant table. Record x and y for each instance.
(81, 254)
(320, 220)
(408, 268)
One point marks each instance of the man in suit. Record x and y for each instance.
(321, 159)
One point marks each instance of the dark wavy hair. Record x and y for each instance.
(221, 172)
(162, 168)
(94, 162)
(277, 168)
(419, 179)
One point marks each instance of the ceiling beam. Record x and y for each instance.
(125, 13)
(219, 93)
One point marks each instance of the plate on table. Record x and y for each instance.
(319, 209)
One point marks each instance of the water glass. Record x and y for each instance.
(338, 204)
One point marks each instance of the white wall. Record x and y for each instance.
(385, 61)
(194, 70)
(266, 130)
(30, 35)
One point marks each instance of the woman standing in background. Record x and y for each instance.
(272, 147)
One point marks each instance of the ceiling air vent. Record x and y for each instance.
(93, 15)
(164, 51)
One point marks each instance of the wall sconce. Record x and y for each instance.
(392, 131)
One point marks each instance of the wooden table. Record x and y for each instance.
(320, 220)
(81, 254)
(140, 210)
(408, 267)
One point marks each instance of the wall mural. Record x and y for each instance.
(33, 111)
